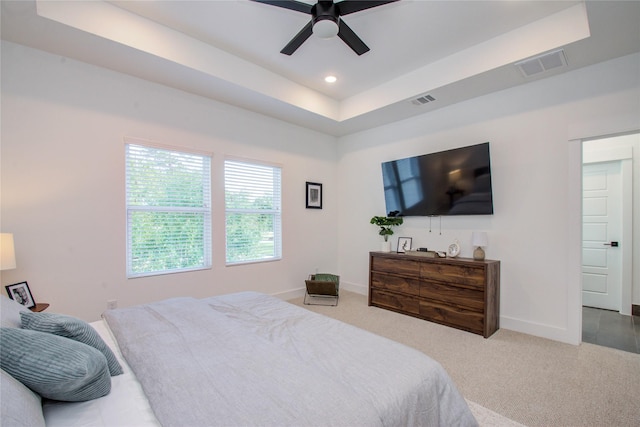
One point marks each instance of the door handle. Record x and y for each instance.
(612, 244)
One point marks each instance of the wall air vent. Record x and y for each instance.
(545, 62)
(422, 99)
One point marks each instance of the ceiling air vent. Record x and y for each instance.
(423, 99)
(542, 63)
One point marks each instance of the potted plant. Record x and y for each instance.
(386, 223)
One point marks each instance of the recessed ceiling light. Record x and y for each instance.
(330, 79)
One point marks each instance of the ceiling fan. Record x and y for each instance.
(325, 21)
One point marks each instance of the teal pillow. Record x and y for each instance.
(19, 406)
(55, 367)
(70, 327)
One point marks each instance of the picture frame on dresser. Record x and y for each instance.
(21, 293)
(404, 244)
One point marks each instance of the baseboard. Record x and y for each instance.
(291, 294)
(635, 309)
(299, 292)
(353, 287)
(538, 329)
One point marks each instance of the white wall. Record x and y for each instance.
(536, 165)
(63, 124)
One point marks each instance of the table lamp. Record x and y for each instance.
(7, 252)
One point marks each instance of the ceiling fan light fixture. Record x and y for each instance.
(325, 28)
(326, 21)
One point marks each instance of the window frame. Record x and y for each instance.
(205, 210)
(278, 227)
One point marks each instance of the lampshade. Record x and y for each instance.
(479, 238)
(7, 252)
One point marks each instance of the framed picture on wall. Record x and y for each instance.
(20, 292)
(404, 244)
(314, 195)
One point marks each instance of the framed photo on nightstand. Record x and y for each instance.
(20, 292)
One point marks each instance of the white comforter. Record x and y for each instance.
(251, 359)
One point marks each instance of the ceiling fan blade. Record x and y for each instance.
(289, 4)
(346, 7)
(297, 41)
(351, 39)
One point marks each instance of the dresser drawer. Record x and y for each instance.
(390, 282)
(452, 316)
(394, 301)
(404, 267)
(463, 274)
(467, 298)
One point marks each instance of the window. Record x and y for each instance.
(253, 212)
(168, 211)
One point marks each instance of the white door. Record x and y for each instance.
(602, 219)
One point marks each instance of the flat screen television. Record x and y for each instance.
(452, 182)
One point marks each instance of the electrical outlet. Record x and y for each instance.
(112, 303)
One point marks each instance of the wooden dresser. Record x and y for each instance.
(457, 292)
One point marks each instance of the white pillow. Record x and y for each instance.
(10, 312)
(19, 406)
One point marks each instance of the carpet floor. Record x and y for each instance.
(529, 380)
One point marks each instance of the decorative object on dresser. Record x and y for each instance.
(385, 223)
(454, 249)
(461, 293)
(404, 244)
(423, 253)
(479, 239)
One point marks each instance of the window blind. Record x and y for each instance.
(253, 212)
(168, 210)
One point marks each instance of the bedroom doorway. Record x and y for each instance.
(601, 233)
(607, 242)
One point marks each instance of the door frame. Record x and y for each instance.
(576, 137)
(625, 156)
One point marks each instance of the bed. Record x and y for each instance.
(251, 359)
